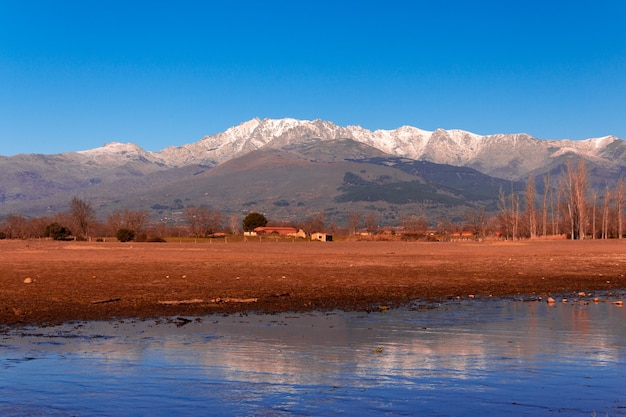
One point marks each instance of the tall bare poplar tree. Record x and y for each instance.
(576, 190)
(530, 207)
(619, 203)
(594, 197)
(515, 214)
(505, 217)
(605, 213)
(544, 207)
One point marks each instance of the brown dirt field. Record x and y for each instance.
(102, 281)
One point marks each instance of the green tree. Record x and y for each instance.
(57, 232)
(252, 221)
(125, 235)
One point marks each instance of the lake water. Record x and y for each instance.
(473, 357)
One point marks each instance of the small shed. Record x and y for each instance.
(322, 237)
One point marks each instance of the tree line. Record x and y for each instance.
(78, 222)
(567, 207)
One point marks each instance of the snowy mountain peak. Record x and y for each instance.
(603, 141)
(112, 148)
(116, 153)
(507, 155)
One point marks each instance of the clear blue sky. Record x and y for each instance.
(77, 74)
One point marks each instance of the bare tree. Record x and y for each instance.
(530, 207)
(515, 211)
(605, 213)
(417, 225)
(619, 203)
(315, 223)
(353, 221)
(594, 198)
(202, 220)
(160, 229)
(559, 207)
(234, 222)
(444, 226)
(16, 227)
(510, 214)
(477, 221)
(82, 214)
(129, 219)
(544, 207)
(505, 216)
(136, 219)
(371, 223)
(114, 222)
(576, 191)
(568, 196)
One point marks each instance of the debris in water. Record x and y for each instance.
(181, 321)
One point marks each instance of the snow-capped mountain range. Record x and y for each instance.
(291, 168)
(510, 156)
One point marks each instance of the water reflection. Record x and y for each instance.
(469, 357)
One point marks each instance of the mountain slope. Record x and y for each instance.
(298, 181)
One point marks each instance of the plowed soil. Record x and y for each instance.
(46, 282)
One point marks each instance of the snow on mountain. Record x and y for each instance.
(510, 156)
(256, 133)
(249, 136)
(115, 153)
(588, 147)
(405, 140)
(113, 148)
(504, 155)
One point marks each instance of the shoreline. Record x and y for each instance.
(614, 297)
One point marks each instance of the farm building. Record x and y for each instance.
(281, 230)
(323, 237)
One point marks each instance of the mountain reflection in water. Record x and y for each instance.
(458, 358)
